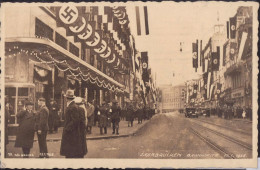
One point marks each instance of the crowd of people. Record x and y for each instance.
(230, 112)
(80, 116)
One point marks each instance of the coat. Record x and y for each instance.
(115, 113)
(103, 117)
(42, 119)
(90, 110)
(54, 112)
(25, 132)
(130, 114)
(73, 142)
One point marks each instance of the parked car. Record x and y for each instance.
(191, 112)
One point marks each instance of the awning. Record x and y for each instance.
(59, 54)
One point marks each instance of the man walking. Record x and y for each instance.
(42, 127)
(73, 142)
(115, 117)
(103, 119)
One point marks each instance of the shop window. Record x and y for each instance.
(23, 92)
(43, 30)
(60, 40)
(73, 49)
(10, 92)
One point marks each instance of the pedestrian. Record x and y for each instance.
(90, 116)
(55, 116)
(25, 133)
(130, 115)
(244, 114)
(51, 117)
(103, 118)
(73, 142)
(82, 105)
(42, 127)
(140, 113)
(115, 117)
(95, 114)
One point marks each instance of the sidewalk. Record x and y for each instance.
(124, 131)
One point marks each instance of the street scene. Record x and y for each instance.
(137, 81)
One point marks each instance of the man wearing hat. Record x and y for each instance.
(73, 142)
(42, 127)
(90, 110)
(103, 118)
(115, 116)
(25, 133)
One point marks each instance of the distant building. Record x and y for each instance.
(172, 97)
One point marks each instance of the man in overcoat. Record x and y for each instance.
(90, 110)
(25, 134)
(54, 116)
(42, 127)
(115, 117)
(103, 118)
(73, 142)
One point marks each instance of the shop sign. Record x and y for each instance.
(236, 94)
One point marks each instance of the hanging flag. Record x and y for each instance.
(144, 59)
(219, 85)
(215, 59)
(233, 50)
(227, 29)
(208, 84)
(200, 52)
(203, 61)
(195, 55)
(224, 53)
(109, 13)
(138, 23)
(146, 20)
(233, 27)
(247, 52)
(242, 45)
(211, 91)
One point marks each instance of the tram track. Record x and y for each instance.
(225, 127)
(227, 146)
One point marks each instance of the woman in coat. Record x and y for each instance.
(73, 142)
(25, 134)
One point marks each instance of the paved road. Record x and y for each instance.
(164, 136)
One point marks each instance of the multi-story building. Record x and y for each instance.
(43, 58)
(172, 97)
(235, 65)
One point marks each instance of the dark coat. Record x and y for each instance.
(103, 117)
(42, 119)
(54, 114)
(115, 114)
(25, 133)
(73, 142)
(130, 114)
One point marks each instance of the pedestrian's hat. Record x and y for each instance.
(78, 100)
(70, 94)
(41, 99)
(26, 103)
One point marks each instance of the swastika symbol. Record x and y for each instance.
(233, 27)
(195, 55)
(68, 14)
(215, 61)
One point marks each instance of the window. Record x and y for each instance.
(43, 30)
(74, 50)
(61, 41)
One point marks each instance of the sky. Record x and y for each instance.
(172, 23)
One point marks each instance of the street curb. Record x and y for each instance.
(89, 138)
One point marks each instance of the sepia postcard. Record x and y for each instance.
(129, 85)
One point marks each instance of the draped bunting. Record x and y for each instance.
(78, 22)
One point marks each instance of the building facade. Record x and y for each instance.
(172, 98)
(44, 58)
